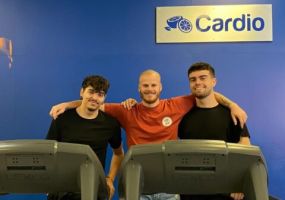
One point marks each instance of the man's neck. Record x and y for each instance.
(150, 105)
(85, 113)
(207, 102)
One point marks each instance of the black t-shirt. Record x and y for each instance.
(97, 133)
(210, 124)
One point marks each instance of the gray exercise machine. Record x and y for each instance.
(193, 167)
(48, 166)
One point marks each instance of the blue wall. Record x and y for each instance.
(58, 43)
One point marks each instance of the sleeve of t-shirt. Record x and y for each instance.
(181, 134)
(116, 140)
(183, 103)
(245, 132)
(116, 110)
(53, 133)
(239, 132)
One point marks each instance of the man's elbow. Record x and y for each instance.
(119, 151)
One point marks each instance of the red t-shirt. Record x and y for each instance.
(151, 125)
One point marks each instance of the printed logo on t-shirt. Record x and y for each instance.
(166, 121)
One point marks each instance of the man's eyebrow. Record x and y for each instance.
(97, 91)
(204, 75)
(101, 92)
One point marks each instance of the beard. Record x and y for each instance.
(202, 95)
(149, 100)
(93, 105)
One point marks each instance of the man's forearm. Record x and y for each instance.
(73, 104)
(76, 103)
(117, 158)
(224, 100)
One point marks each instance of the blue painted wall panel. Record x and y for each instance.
(58, 43)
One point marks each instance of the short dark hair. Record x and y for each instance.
(201, 66)
(98, 83)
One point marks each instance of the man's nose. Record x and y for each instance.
(195, 83)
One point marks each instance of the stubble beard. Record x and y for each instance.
(149, 101)
(202, 95)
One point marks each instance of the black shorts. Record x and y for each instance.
(205, 197)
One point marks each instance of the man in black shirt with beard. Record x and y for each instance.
(88, 125)
(209, 120)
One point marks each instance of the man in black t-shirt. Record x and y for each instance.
(88, 125)
(209, 120)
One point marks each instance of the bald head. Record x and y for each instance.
(149, 74)
(150, 87)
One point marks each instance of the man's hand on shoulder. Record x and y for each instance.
(238, 114)
(129, 103)
(60, 108)
(57, 110)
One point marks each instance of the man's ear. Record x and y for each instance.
(160, 87)
(214, 82)
(105, 96)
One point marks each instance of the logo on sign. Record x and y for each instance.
(183, 24)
